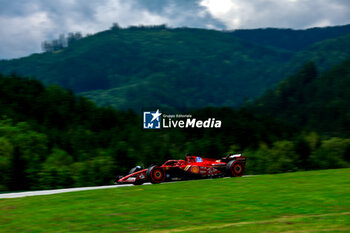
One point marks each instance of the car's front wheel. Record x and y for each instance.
(155, 174)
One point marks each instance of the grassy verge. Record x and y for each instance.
(303, 202)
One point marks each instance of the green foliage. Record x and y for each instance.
(6, 148)
(240, 81)
(6, 151)
(317, 102)
(23, 150)
(289, 39)
(325, 54)
(180, 68)
(333, 153)
(299, 154)
(52, 176)
(312, 101)
(280, 157)
(56, 171)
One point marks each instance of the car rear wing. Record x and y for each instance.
(237, 157)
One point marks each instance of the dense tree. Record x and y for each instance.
(289, 39)
(62, 42)
(314, 101)
(73, 37)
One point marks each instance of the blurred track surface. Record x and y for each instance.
(67, 190)
(55, 191)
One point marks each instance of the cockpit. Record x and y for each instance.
(194, 159)
(172, 163)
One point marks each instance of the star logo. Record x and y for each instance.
(156, 115)
(151, 120)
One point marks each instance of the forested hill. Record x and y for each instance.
(156, 66)
(314, 101)
(289, 39)
(179, 68)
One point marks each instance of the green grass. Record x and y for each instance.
(314, 201)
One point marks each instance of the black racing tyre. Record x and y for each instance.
(155, 174)
(235, 168)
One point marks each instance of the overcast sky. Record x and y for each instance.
(24, 24)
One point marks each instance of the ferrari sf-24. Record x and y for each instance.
(193, 167)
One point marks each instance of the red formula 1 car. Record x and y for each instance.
(194, 167)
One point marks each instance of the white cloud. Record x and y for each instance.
(21, 34)
(24, 24)
(126, 14)
(278, 13)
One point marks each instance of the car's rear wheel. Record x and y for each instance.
(235, 168)
(155, 174)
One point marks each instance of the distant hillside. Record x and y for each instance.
(312, 101)
(325, 54)
(175, 68)
(289, 39)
